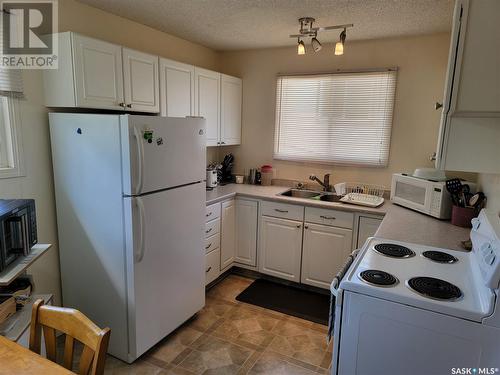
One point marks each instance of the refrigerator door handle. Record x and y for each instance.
(142, 220)
(140, 161)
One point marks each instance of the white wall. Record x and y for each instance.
(37, 183)
(422, 63)
(490, 185)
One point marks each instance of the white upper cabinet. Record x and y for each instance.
(230, 125)
(469, 136)
(207, 102)
(176, 89)
(98, 73)
(140, 72)
(101, 75)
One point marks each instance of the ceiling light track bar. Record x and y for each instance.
(313, 31)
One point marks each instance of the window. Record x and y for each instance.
(10, 143)
(339, 118)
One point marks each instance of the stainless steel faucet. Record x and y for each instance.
(325, 183)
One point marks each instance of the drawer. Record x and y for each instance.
(283, 210)
(213, 212)
(212, 266)
(212, 227)
(329, 217)
(212, 242)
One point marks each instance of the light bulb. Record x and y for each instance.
(301, 48)
(316, 45)
(339, 48)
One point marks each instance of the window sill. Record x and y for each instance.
(11, 173)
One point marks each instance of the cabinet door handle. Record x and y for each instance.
(438, 105)
(282, 211)
(208, 269)
(121, 105)
(208, 246)
(306, 226)
(209, 230)
(328, 217)
(209, 214)
(299, 225)
(223, 143)
(129, 105)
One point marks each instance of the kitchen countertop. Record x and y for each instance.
(221, 193)
(399, 223)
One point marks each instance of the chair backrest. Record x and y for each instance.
(76, 326)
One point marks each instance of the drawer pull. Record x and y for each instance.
(208, 246)
(207, 215)
(208, 269)
(209, 230)
(328, 217)
(282, 211)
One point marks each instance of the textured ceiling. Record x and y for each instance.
(245, 24)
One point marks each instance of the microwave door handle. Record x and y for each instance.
(140, 161)
(26, 242)
(142, 227)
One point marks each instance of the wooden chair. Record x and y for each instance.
(76, 326)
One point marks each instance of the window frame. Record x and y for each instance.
(10, 129)
(298, 158)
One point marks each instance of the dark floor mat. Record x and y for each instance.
(288, 300)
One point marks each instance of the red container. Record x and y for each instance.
(462, 216)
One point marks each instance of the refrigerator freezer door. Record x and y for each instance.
(161, 152)
(165, 262)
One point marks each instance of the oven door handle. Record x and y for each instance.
(340, 275)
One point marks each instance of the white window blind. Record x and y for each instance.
(339, 118)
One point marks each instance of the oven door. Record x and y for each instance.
(412, 193)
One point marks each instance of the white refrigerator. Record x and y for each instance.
(130, 201)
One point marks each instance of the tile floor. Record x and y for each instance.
(231, 337)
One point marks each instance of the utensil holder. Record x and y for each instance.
(462, 216)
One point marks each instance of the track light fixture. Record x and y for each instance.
(308, 31)
(301, 47)
(339, 46)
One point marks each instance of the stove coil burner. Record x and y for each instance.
(440, 257)
(435, 288)
(393, 250)
(378, 278)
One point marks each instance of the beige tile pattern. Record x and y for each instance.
(231, 337)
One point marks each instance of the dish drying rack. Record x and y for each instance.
(361, 194)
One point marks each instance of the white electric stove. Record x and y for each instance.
(403, 308)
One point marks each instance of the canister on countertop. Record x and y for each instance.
(267, 175)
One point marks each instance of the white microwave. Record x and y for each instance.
(426, 196)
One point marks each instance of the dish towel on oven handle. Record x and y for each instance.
(334, 287)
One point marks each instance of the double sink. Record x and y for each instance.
(311, 194)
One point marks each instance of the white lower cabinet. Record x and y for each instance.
(212, 270)
(324, 251)
(246, 232)
(367, 226)
(228, 234)
(280, 247)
